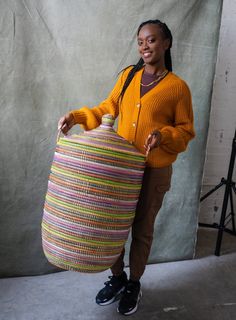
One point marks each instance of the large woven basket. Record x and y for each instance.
(93, 189)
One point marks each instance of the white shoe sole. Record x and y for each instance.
(134, 309)
(113, 299)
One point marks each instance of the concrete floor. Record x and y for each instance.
(199, 289)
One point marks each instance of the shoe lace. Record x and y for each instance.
(110, 282)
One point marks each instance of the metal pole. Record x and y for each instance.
(226, 196)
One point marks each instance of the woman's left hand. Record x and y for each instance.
(153, 141)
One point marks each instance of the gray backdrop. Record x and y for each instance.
(56, 55)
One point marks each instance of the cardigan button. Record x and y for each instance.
(138, 105)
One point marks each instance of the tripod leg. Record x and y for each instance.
(222, 221)
(223, 181)
(226, 196)
(232, 210)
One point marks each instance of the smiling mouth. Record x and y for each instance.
(147, 54)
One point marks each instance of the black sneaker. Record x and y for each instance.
(129, 302)
(112, 289)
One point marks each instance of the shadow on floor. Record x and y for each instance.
(200, 289)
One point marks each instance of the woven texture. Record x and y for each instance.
(93, 189)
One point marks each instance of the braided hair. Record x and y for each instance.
(138, 66)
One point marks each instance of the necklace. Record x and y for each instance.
(161, 76)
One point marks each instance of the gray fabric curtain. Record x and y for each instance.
(60, 55)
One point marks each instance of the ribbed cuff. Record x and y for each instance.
(79, 116)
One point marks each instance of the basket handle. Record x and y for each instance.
(147, 152)
(59, 134)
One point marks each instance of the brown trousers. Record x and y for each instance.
(156, 182)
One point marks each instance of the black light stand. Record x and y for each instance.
(228, 195)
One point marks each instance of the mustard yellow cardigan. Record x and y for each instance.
(167, 107)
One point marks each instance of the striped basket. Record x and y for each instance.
(92, 194)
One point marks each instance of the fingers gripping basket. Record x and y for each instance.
(92, 194)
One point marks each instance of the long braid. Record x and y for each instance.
(167, 33)
(168, 62)
(130, 76)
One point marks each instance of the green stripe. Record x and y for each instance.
(112, 152)
(84, 177)
(52, 231)
(60, 262)
(112, 142)
(117, 215)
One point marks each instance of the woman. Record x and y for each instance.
(155, 115)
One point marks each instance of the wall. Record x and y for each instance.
(222, 118)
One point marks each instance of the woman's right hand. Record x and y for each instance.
(66, 122)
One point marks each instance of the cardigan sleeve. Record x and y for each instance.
(90, 118)
(175, 138)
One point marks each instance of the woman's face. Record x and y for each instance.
(152, 45)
